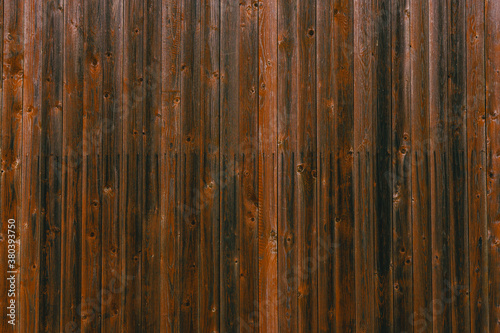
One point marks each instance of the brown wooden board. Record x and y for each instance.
(170, 150)
(132, 164)
(363, 162)
(420, 173)
(287, 175)
(73, 162)
(150, 243)
(229, 185)
(11, 129)
(439, 166)
(209, 188)
(343, 161)
(267, 178)
(112, 283)
(476, 162)
(250, 166)
(402, 245)
(325, 171)
(30, 227)
(306, 168)
(50, 166)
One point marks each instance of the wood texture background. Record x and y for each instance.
(251, 166)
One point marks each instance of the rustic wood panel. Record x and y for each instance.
(287, 175)
(132, 165)
(73, 268)
(229, 185)
(91, 231)
(170, 150)
(112, 86)
(209, 183)
(50, 166)
(476, 162)
(402, 245)
(307, 133)
(420, 164)
(30, 227)
(250, 166)
(326, 143)
(363, 162)
(267, 187)
(439, 164)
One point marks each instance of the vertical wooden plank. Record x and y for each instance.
(492, 42)
(476, 166)
(210, 183)
(343, 158)
(457, 94)
(383, 169)
(11, 155)
(229, 187)
(325, 174)
(30, 220)
(287, 175)
(151, 186)
(402, 245)
(363, 162)
(440, 178)
(92, 168)
(248, 159)
(420, 186)
(132, 172)
(50, 166)
(170, 149)
(190, 166)
(113, 284)
(268, 114)
(307, 301)
(72, 168)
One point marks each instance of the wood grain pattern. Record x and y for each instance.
(307, 242)
(250, 166)
(112, 161)
(30, 220)
(133, 157)
(384, 170)
(287, 175)
(268, 191)
(476, 163)
(440, 159)
(326, 143)
(421, 319)
(73, 164)
(229, 184)
(248, 209)
(150, 243)
(343, 159)
(50, 166)
(363, 167)
(11, 156)
(459, 229)
(170, 151)
(209, 183)
(402, 245)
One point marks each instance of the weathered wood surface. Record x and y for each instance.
(250, 166)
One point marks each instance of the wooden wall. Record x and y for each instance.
(250, 166)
